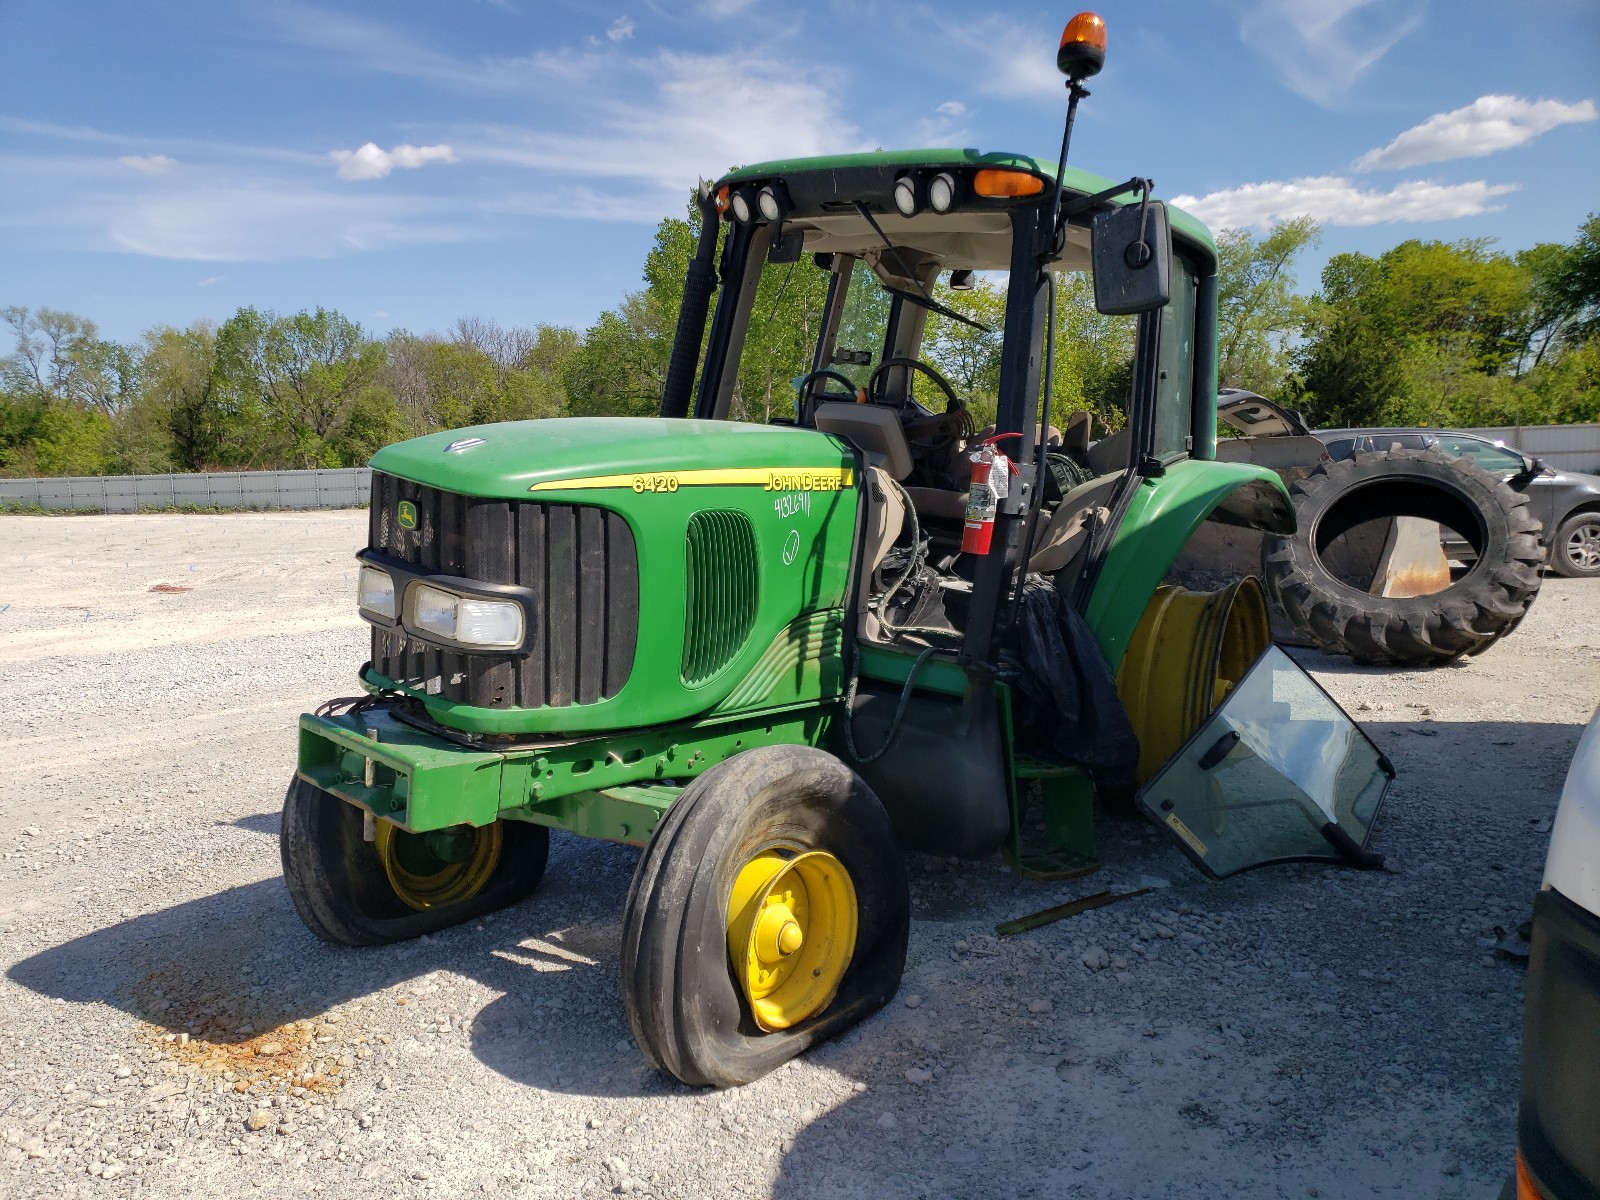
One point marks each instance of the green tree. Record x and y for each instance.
(287, 384)
(1258, 310)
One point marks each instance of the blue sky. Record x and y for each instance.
(416, 161)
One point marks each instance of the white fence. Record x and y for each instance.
(1574, 447)
(346, 487)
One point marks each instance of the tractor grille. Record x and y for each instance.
(720, 606)
(579, 561)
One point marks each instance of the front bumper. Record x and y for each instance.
(1558, 1123)
(614, 786)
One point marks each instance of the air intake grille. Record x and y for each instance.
(579, 560)
(720, 606)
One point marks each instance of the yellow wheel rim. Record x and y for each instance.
(432, 870)
(791, 932)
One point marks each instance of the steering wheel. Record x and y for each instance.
(801, 384)
(936, 433)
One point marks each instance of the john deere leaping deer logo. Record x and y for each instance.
(407, 515)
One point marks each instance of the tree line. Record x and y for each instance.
(1427, 333)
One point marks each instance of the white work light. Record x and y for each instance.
(741, 207)
(906, 197)
(767, 201)
(942, 192)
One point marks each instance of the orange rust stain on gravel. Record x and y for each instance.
(226, 1034)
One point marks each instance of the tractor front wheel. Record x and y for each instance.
(769, 912)
(399, 885)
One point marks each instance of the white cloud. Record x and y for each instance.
(371, 162)
(213, 279)
(1488, 124)
(1333, 200)
(1006, 58)
(697, 113)
(621, 30)
(725, 8)
(952, 108)
(1321, 47)
(148, 164)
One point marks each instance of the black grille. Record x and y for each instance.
(579, 561)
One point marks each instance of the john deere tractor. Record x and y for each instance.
(775, 656)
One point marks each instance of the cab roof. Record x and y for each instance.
(1076, 180)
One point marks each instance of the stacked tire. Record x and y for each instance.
(1484, 604)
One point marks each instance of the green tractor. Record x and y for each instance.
(776, 655)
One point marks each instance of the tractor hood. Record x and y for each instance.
(512, 459)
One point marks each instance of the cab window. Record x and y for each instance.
(1175, 367)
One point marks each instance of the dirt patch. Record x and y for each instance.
(237, 1039)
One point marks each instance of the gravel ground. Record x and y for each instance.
(169, 1027)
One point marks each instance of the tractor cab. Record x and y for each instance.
(875, 253)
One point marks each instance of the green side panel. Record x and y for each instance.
(804, 664)
(722, 586)
(422, 782)
(621, 814)
(1165, 512)
(1076, 181)
(889, 664)
(793, 492)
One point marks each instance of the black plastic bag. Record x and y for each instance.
(1069, 706)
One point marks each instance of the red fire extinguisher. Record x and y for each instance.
(991, 471)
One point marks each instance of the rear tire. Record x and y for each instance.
(1467, 617)
(1575, 550)
(690, 1010)
(344, 894)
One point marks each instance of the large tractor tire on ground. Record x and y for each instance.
(770, 911)
(1483, 604)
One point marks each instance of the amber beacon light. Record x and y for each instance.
(1083, 47)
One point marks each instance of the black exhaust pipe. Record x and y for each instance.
(698, 286)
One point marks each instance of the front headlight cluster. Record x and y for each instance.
(471, 620)
(439, 613)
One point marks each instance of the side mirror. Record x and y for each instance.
(1532, 465)
(1132, 259)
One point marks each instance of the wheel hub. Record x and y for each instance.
(791, 933)
(1583, 547)
(432, 870)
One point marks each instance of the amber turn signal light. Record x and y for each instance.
(1083, 47)
(1006, 184)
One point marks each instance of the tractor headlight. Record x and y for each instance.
(742, 211)
(942, 192)
(468, 620)
(375, 592)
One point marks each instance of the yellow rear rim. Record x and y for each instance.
(791, 932)
(1190, 650)
(432, 870)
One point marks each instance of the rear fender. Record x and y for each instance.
(1165, 512)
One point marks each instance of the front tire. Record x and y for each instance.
(769, 912)
(1575, 550)
(357, 893)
